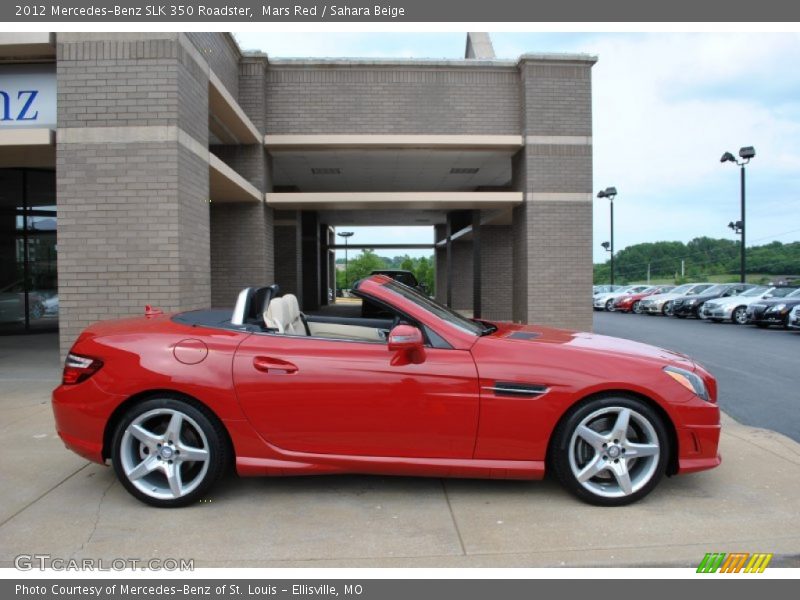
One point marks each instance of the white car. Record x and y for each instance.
(606, 301)
(794, 318)
(661, 304)
(734, 308)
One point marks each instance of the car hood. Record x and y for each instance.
(775, 301)
(666, 296)
(535, 335)
(736, 300)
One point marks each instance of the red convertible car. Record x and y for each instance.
(174, 400)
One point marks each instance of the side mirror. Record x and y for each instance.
(407, 342)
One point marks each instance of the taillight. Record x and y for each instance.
(79, 368)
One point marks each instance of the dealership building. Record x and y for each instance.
(174, 169)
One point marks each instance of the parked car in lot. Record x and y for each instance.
(172, 400)
(606, 301)
(794, 318)
(734, 308)
(690, 306)
(774, 311)
(632, 302)
(661, 304)
(12, 303)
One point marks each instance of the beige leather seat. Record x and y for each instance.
(296, 323)
(276, 315)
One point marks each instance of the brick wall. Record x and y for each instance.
(552, 237)
(133, 215)
(392, 100)
(286, 258)
(221, 55)
(242, 250)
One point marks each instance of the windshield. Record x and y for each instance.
(716, 289)
(682, 289)
(794, 294)
(700, 288)
(441, 311)
(756, 291)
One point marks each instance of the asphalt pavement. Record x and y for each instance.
(758, 370)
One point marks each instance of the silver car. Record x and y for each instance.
(794, 318)
(734, 308)
(661, 304)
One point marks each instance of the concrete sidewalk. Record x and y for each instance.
(51, 501)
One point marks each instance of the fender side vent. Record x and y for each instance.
(517, 390)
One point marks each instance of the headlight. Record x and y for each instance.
(691, 302)
(689, 380)
(778, 307)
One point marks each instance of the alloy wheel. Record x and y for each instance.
(740, 316)
(668, 311)
(610, 305)
(637, 307)
(165, 454)
(614, 452)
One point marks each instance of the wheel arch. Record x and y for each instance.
(119, 412)
(672, 461)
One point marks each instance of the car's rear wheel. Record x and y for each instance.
(740, 315)
(168, 452)
(637, 307)
(668, 311)
(610, 451)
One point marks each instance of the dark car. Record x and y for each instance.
(690, 306)
(773, 312)
(404, 277)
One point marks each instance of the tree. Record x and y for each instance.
(361, 266)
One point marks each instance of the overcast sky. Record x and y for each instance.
(666, 106)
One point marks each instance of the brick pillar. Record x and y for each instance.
(131, 178)
(552, 230)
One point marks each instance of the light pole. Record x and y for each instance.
(746, 153)
(346, 235)
(610, 193)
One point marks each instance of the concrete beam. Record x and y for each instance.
(319, 142)
(393, 200)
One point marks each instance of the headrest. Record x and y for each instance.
(276, 315)
(292, 306)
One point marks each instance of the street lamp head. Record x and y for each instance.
(731, 225)
(610, 192)
(727, 157)
(601, 194)
(607, 246)
(747, 152)
(345, 234)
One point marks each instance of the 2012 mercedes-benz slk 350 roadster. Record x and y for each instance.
(173, 400)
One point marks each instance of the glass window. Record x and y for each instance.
(28, 271)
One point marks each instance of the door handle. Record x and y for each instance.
(268, 364)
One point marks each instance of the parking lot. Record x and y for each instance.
(757, 369)
(52, 501)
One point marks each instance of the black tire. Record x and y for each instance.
(559, 451)
(739, 315)
(666, 310)
(637, 307)
(196, 416)
(610, 305)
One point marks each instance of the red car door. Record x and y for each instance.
(344, 397)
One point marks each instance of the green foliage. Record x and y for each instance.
(704, 258)
(367, 261)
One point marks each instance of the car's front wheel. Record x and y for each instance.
(610, 305)
(167, 452)
(740, 315)
(610, 451)
(668, 311)
(637, 307)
